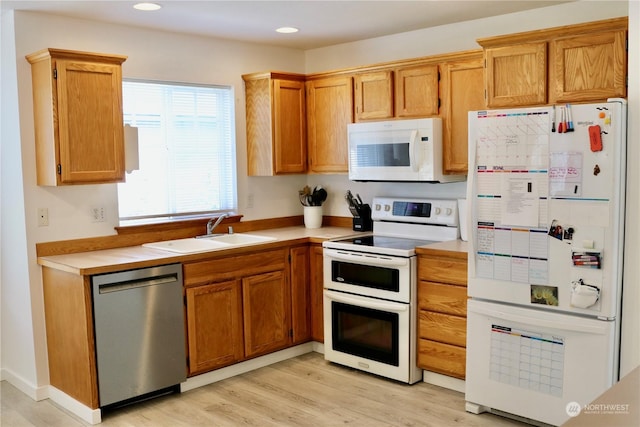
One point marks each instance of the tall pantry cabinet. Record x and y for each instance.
(77, 101)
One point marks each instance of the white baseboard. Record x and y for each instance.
(246, 366)
(318, 347)
(443, 381)
(28, 388)
(91, 416)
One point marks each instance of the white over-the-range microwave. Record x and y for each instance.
(397, 150)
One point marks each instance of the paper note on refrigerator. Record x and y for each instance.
(520, 204)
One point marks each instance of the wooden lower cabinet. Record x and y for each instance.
(316, 285)
(214, 316)
(442, 358)
(266, 306)
(442, 312)
(245, 306)
(300, 275)
(68, 310)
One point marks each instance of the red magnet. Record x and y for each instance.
(595, 138)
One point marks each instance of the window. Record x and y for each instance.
(186, 149)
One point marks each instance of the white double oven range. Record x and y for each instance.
(370, 281)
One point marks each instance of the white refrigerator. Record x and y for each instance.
(546, 226)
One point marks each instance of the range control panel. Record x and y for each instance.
(421, 211)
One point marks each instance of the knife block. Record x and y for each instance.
(364, 221)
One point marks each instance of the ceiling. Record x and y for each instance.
(321, 23)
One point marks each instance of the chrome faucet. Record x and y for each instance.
(211, 225)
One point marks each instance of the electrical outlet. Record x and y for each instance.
(97, 214)
(43, 217)
(249, 200)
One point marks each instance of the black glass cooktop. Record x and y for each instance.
(385, 242)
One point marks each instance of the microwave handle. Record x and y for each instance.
(413, 151)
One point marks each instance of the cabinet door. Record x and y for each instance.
(417, 91)
(289, 127)
(214, 325)
(329, 111)
(443, 269)
(442, 298)
(316, 288)
(588, 68)
(267, 304)
(463, 91)
(373, 95)
(443, 358)
(300, 310)
(516, 75)
(90, 123)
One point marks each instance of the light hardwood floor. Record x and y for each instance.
(303, 391)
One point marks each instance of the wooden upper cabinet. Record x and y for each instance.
(329, 111)
(516, 75)
(79, 128)
(462, 91)
(276, 124)
(416, 91)
(574, 63)
(373, 95)
(589, 67)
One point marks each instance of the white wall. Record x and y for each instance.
(462, 36)
(433, 41)
(152, 55)
(630, 357)
(175, 57)
(18, 344)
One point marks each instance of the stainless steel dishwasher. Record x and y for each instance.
(139, 332)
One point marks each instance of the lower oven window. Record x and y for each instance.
(365, 332)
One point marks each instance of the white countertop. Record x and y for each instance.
(130, 257)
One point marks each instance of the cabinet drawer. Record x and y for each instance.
(443, 328)
(443, 270)
(442, 358)
(448, 299)
(234, 266)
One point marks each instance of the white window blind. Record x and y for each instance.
(186, 149)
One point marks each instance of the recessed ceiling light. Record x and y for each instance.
(146, 6)
(287, 30)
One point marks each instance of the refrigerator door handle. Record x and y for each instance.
(539, 321)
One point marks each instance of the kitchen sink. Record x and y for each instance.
(187, 246)
(237, 239)
(208, 243)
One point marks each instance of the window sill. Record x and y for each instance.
(199, 223)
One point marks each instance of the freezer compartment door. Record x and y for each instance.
(536, 364)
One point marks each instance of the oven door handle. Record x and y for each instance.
(393, 307)
(368, 259)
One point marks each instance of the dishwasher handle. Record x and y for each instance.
(138, 283)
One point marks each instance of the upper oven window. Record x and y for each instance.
(370, 276)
